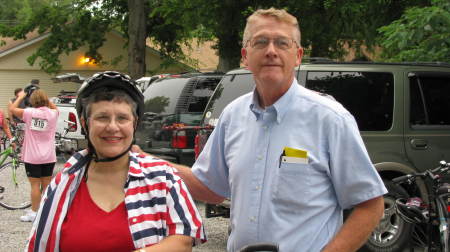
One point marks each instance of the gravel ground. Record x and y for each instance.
(13, 232)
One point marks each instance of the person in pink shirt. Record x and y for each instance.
(38, 151)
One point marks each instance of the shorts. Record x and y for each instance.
(39, 170)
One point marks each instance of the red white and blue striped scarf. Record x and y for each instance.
(157, 201)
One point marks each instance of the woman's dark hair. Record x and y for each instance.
(106, 94)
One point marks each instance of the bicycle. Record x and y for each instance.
(430, 219)
(65, 145)
(14, 188)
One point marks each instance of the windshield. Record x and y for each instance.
(161, 96)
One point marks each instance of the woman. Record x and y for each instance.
(108, 198)
(38, 151)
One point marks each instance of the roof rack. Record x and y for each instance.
(436, 64)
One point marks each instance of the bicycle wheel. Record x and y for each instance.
(14, 196)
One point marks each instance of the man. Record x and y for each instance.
(290, 159)
(21, 105)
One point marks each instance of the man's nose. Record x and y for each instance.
(271, 49)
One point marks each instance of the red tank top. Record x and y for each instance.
(87, 227)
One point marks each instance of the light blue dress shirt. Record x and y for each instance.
(298, 206)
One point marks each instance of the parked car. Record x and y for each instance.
(174, 107)
(68, 124)
(144, 82)
(402, 111)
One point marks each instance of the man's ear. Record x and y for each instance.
(299, 55)
(244, 56)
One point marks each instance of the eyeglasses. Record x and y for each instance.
(282, 43)
(103, 119)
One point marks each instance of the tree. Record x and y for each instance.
(421, 34)
(77, 23)
(137, 32)
(327, 25)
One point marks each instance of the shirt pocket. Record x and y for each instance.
(292, 186)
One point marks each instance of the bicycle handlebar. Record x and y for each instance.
(403, 178)
(432, 173)
(69, 122)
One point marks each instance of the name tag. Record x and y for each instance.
(294, 156)
(39, 124)
(294, 160)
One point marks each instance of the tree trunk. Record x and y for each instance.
(136, 34)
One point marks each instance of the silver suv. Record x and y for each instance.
(403, 113)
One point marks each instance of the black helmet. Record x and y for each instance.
(29, 89)
(411, 213)
(104, 79)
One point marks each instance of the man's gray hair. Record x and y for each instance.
(280, 15)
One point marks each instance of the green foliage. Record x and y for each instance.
(328, 25)
(69, 27)
(72, 24)
(421, 34)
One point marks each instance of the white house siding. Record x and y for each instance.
(16, 72)
(12, 79)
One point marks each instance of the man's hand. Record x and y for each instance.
(136, 148)
(364, 218)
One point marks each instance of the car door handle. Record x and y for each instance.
(419, 144)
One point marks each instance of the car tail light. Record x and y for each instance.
(179, 139)
(72, 118)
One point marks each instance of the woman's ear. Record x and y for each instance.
(83, 126)
(135, 123)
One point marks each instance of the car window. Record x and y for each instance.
(429, 102)
(161, 96)
(368, 96)
(230, 87)
(196, 94)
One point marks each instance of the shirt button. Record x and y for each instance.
(134, 220)
(252, 219)
(259, 157)
(264, 127)
(257, 187)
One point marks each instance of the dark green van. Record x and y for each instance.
(403, 113)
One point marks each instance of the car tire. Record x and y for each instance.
(393, 233)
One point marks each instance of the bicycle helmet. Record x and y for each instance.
(29, 89)
(109, 80)
(411, 213)
(112, 80)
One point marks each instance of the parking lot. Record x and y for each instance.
(14, 233)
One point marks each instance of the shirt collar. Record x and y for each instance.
(281, 106)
